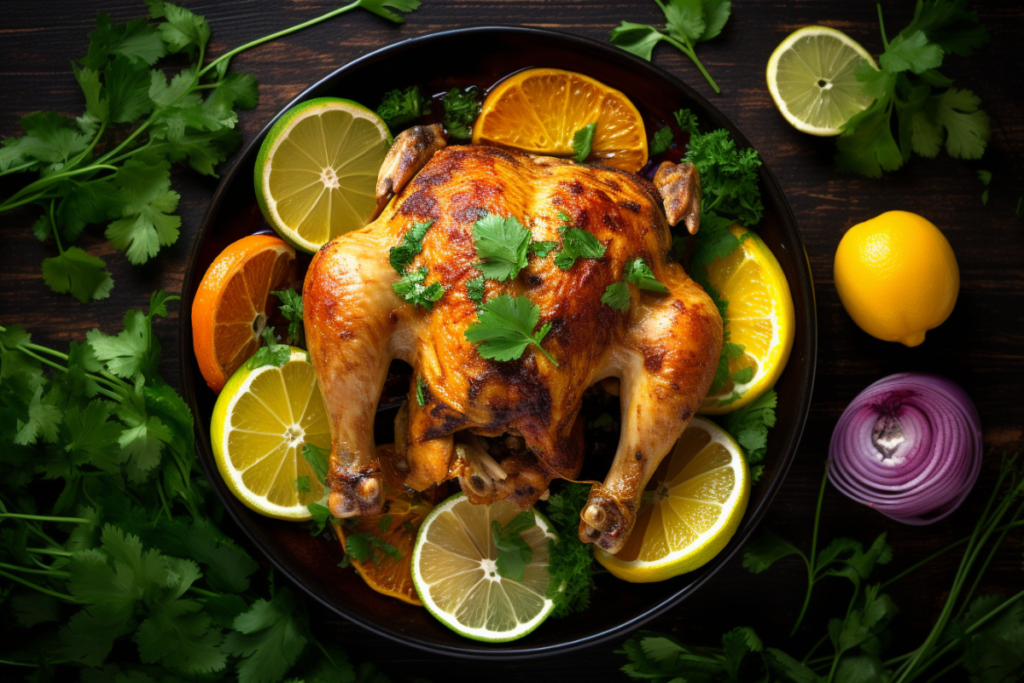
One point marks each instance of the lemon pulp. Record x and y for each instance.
(454, 570)
(261, 421)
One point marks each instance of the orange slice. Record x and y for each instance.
(397, 527)
(233, 303)
(539, 111)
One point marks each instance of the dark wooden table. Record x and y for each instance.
(981, 345)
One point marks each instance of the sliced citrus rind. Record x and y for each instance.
(455, 575)
(539, 110)
(316, 172)
(760, 317)
(260, 423)
(233, 303)
(692, 507)
(812, 81)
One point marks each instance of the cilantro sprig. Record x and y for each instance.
(122, 571)
(929, 113)
(505, 327)
(399, 107)
(461, 108)
(410, 286)
(502, 245)
(976, 637)
(291, 308)
(112, 164)
(570, 560)
(514, 553)
(687, 23)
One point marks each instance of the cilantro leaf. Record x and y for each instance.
(271, 353)
(514, 553)
(966, 126)
(412, 290)
(461, 108)
(399, 107)
(542, 249)
(640, 274)
(268, 637)
(380, 8)
(133, 353)
(138, 40)
(766, 549)
(749, 426)
(577, 243)
(913, 52)
(84, 276)
(127, 88)
(147, 204)
(50, 140)
(582, 140)
(985, 177)
(475, 289)
(401, 257)
(617, 296)
(687, 22)
(317, 460)
(182, 31)
(502, 243)
(504, 328)
(661, 141)
(290, 307)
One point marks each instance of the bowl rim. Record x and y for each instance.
(806, 317)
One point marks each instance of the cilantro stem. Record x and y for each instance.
(203, 592)
(49, 551)
(146, 124)
(35, 586)
(53, 226)
(274, 36)
(881, 26)
(96, 138)
(28, 570)
(40, 518)
(988, 560)
(33, 665)
(15, 169)
(815, 649)
(955, 663)
(689, 52)
(814, 553)
(25, 349)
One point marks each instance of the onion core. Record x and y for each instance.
(909, 446)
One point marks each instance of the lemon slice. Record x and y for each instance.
(811, 78)
(454, 570)
(692, 507)
(760, 318)
(261, 421)
(316, 173)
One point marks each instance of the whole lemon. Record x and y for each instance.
(897, 276)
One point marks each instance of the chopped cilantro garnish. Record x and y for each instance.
(581, 141)
(617, 296)
(542, 249)
(514, 553)
(461, 107)
(412, 289)
(577, 243)
(399, 107)
(641, 275)
(412, 244)
(661, 141)
(475, 289)
(420, 385)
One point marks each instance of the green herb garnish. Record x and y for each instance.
(505, 328)
(617, 296)
(570, 561)
(401, 257)
(687, 22)
(577, 243)
(502, 244)
(581, 141)
(420, 386)
(399, 107)
(291, 308)
(461, 107)
(413, 291)
(661, 141)
(640, 274)
(513, 551)
(475, 289)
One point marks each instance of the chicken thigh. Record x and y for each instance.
(506, 429)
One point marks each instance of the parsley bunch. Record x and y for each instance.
(984, 635)
(570, 560)
(928, 111)
(112, 164)
(113, 560)
(687, 23)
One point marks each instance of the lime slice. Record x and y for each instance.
(316, 173)
(692, 507)
(454, 570)
(811, 78)
(261, 421)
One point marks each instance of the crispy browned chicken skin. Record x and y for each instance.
(663, 349)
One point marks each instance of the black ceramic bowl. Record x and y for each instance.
(438, 62)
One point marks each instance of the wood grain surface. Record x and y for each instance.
(981, 346)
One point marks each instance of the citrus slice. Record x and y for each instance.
(692, 507)
(233, 303)
(539, 111)
(760, 318)
(390, 572)
(260, 423)
(316, 173)
(811, 78)
(455, 572)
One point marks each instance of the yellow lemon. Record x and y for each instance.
(690, 509)
(897, 276)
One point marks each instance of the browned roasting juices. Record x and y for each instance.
(506, 429)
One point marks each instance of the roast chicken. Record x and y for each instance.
(506, 429)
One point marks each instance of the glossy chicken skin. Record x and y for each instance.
(664, 348)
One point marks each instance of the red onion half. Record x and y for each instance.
(909, 446)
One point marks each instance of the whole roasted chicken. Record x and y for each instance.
(507, 428)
